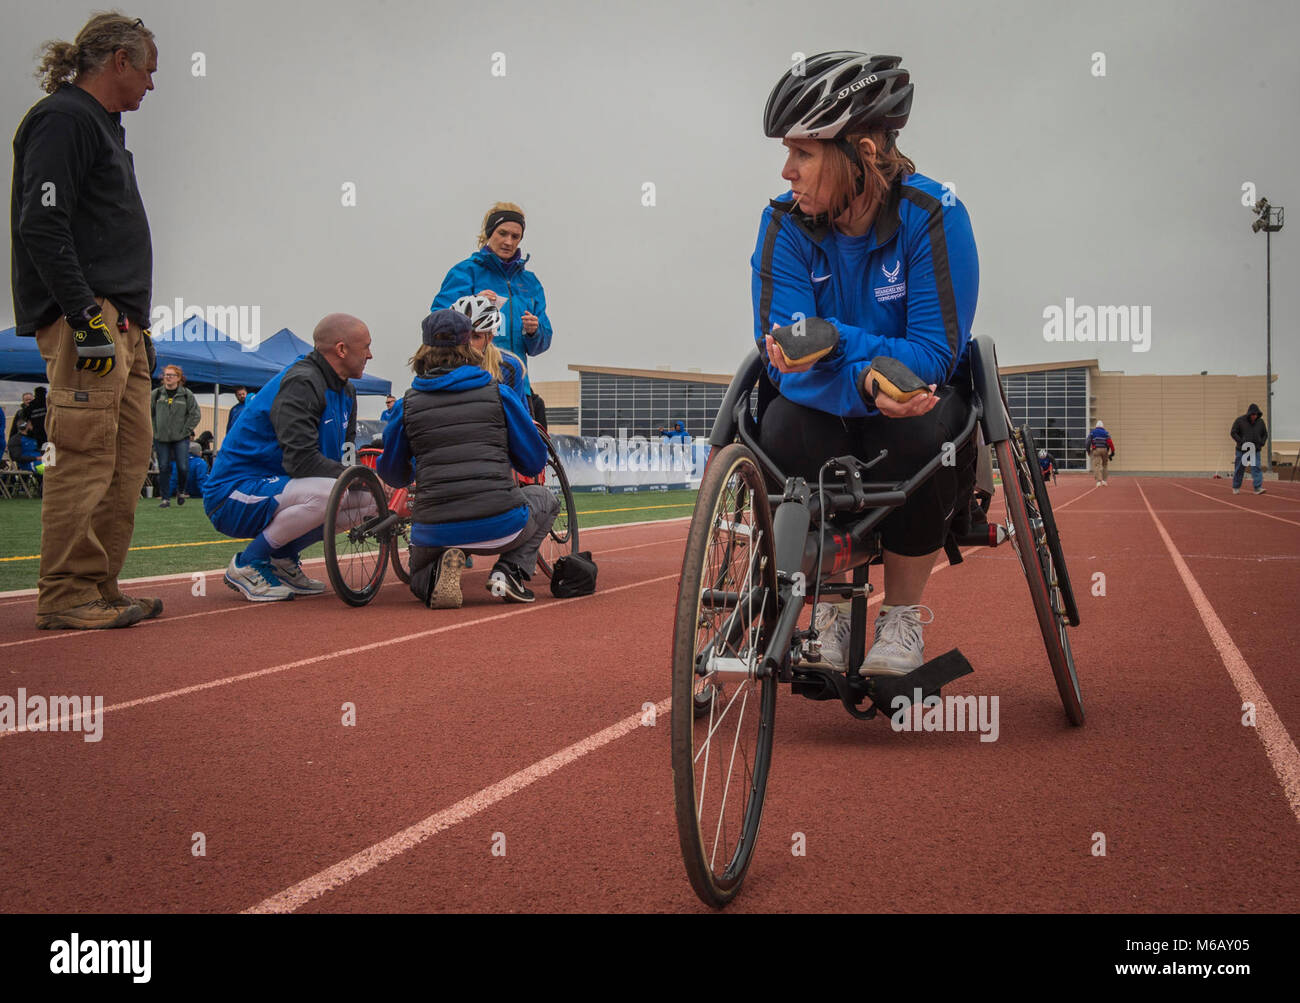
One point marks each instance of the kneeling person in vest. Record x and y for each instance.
(462, 434)
(273, 476)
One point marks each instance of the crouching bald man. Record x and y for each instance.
(272, 478)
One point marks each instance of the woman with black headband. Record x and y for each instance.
(497, 271)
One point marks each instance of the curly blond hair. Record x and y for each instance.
(96, 44)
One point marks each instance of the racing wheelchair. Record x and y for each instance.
(748, 572)
(357, 555)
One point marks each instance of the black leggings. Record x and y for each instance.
(799, 440)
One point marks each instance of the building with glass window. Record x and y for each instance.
(1160, 424)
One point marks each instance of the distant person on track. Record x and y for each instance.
(273, 476)
(1101, 447)
(497, 271)
(82, 285)
(175, 417)
(887, 255)
(1251, 436)
(389, 403)
(460, 434)
(1047, 464)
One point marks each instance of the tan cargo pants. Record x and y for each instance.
(100, 436)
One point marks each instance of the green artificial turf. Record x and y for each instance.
(180, 538)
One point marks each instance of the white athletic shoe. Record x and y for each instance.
(257, 581)
(899, 646)
(289, 571)
(833, 627)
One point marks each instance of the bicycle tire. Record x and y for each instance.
(1043, 502)
(355, 557)
(563, 537)
(1036, 562)
(721, 525)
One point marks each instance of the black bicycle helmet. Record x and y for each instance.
(833, 94)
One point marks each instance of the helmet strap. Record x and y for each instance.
(861, 183)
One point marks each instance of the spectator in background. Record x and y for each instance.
(175, 416)
(23, 448)
(205, 448)
(1250, 435)
(1102, 450)
(389, 403)
(35, 413)
(18, 413)
(240, 394)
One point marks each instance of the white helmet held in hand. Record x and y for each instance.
(482, 314)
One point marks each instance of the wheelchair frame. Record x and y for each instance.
(750, 615)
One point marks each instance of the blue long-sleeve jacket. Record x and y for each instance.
(484, 270)
(907, 289)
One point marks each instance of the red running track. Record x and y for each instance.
(520, 729)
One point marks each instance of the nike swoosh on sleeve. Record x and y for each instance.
(819, 278)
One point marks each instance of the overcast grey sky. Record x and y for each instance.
(1122, 189)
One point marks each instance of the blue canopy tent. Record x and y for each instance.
(284, 346)
(20, 360)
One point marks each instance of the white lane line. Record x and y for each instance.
(1281, 750)
(296, 896)
(1221, 501)
(68, 719)
(380, 853)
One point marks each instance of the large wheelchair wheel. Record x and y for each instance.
(726, 606)
(1042, 561)
(563, 537)
(358, 536)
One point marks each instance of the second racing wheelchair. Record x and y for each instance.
(761, 546)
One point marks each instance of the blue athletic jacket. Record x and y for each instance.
(398, 466)
(906, 289)
(295, 425)
(484, 270)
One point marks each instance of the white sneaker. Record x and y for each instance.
(1236, 491)
(899, 647)
(289, 571)
(833, 626)
(257, 581)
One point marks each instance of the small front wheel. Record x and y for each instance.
(723, 705)
(358, 535)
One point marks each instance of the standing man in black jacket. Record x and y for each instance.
(82, 284)
(1250, 435)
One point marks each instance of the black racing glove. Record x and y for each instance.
(96, 352)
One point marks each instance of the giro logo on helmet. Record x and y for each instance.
(856, 87)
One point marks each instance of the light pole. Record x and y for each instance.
(1270, 220)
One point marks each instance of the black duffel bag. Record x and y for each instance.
(573, 575)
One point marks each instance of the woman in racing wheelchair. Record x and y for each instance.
(886, 256)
